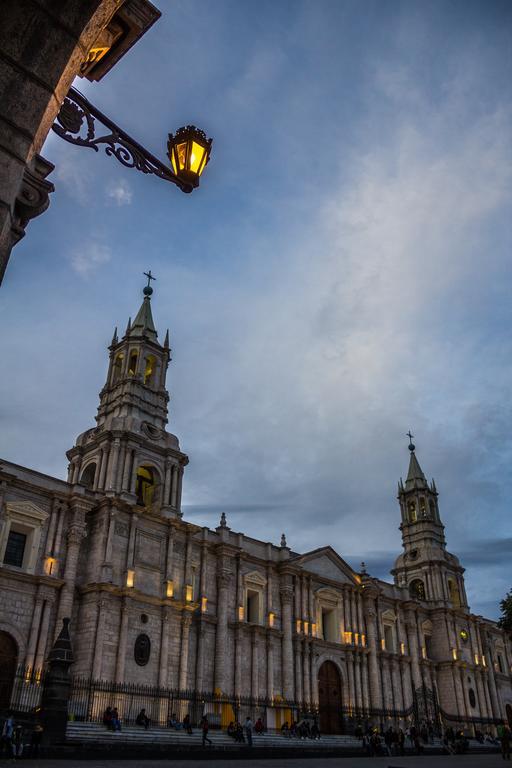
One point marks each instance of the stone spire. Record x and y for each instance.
(143, 324)
(415, 476)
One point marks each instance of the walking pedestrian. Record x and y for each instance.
(7, 734)
(248, 730)
(204, 731)
(505, 743)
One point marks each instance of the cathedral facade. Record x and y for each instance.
(158, 601)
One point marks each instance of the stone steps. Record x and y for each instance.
(93, 732)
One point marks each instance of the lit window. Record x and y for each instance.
(132, 367)
(149, 369)
(417, 589)
(15, 549)
(389, 644)
(329, 625)
(118, 368)
(253, 607)
(145, 486)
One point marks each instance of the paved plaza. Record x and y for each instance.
(441, 761)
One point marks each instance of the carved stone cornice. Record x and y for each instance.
(33, 197)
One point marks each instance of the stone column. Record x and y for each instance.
(298, 670)
(397, 688)
(350, 675)
(51, 529)
(353, 612)
(482, 704)
(43, 634)
(174, 485)
(74, 539)
(123, 638)
(167, 482)
(254, 665)
(185, 631)
(106, 569)
(163, 664)
(103, 468)
(366, 687)
(287, 646)
(113, 464)
(270, 668)
(221, 636)
(346, 612)
(180, 488)
(496, 713)
(34, 631)
(358, 683)
(238, 661)
(98, 644)
(307, 673)
(373, 662)
(201, 631)
(412, 640)
(128, 456)
(130, 552)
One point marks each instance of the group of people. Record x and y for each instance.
(301, 730)
(243, 733)
(111, 719)
(12, 739)
(386, 742)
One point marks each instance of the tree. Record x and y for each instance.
(505, 621)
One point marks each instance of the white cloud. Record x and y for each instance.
(88, 257)
(119, 192)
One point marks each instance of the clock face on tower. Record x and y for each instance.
(464, 635)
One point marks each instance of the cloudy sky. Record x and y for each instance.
(341, 276)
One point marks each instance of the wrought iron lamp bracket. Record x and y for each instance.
(77, 123)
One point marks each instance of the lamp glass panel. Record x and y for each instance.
(179, 155)
(196, 157)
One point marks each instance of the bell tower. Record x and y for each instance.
(426, 568)
(129, 454)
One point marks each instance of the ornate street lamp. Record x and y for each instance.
(188, 150)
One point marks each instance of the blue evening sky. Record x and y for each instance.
(342, 274)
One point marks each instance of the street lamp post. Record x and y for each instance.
(188, 150)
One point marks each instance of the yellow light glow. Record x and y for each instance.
(240, 613)
(170, 588)
(204, 604)
(313, 630)
(181, 151)
(402, 649)
(363, 639)
(423, 652)
(484, 663)
(477, 660)
(130, 578)
(348, 637)
(298, 626)
(383, 644)
(356, 638)
(188, 593)
(271, 619)
(50, 566)
(306, 627)
(454, 654)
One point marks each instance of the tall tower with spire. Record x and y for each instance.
(426, 568)
(129, 454)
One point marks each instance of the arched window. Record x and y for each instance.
(132, 366)
(454, 593)
(423, 510)
(417, 589)
(150, 369)
(118, 367)
(88, 474)
(145, 486)
(432, 509)
(411, 512)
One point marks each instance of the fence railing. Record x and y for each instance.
(22, 691)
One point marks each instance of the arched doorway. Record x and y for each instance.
(329, 698)
(508, 710)
(8, 661)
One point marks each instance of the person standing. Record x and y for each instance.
(204, 731)
(505, 743)
(248, 730)
(7, 733)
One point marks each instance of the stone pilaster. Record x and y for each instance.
(74, 539)
(254, 665)
(270, 667)
(34, 630)
(307, 672)
(412, 640)
(350, 674)
(123, 638)
(238, 660)
(299, 691)
(373, 661)
(185, 631)
(221, 637)
(163, 662)
(287, 644)
(43, 632)
(201, 632)
(98, 642)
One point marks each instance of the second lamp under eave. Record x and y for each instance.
(189, 151)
